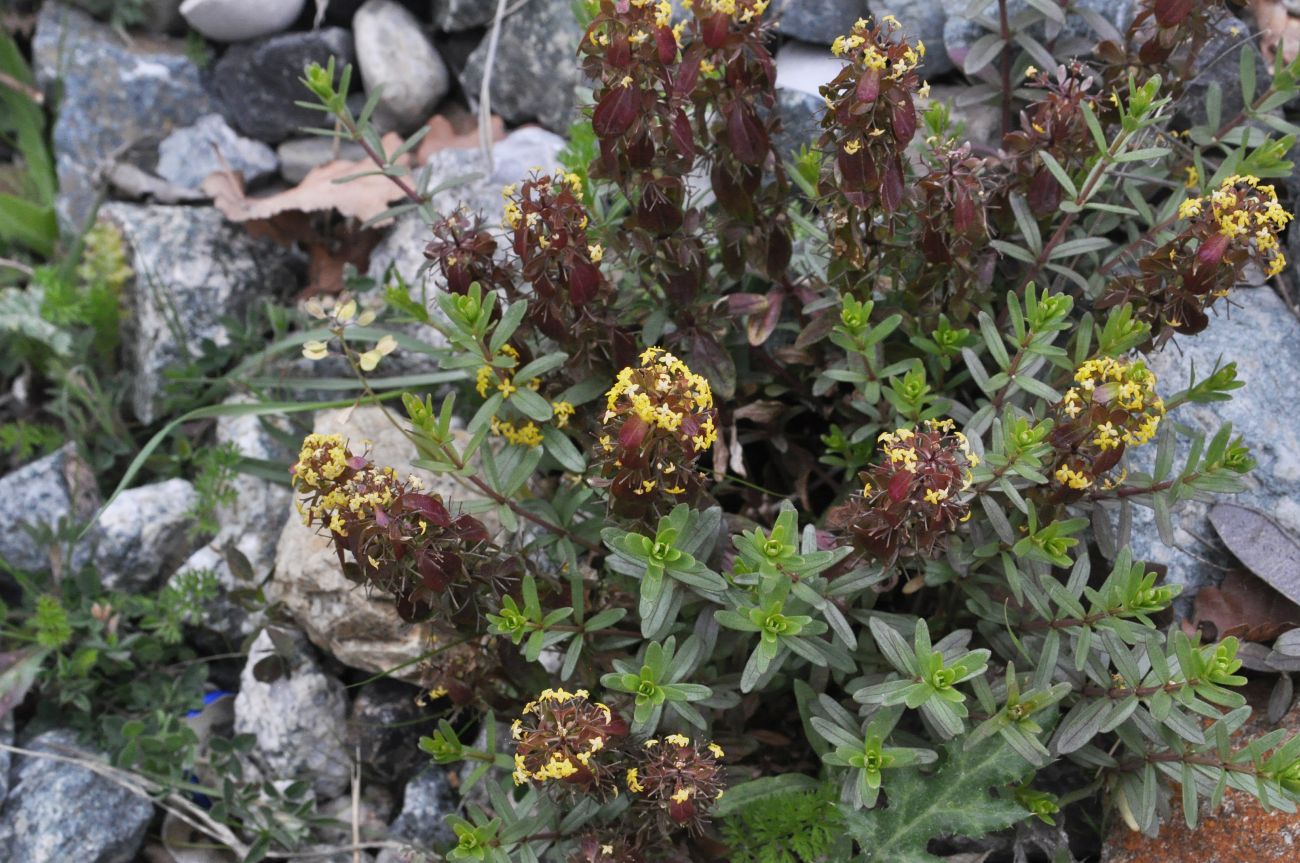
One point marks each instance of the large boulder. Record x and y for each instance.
(297, 712)
(817, 20)
(1262, 336)
(141, 536)
(535, 73)
(192, 269)
(38, 496)
(112, 95)
(59, 811)
(359, 628)
(259, 82)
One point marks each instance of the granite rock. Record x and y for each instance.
(57, 811)
(299, 155)
(187, 156)
(258, 82)
(39, 495)
(299, 718)
(816, 20)
(452, 16)
(387, 723)
(192, 268)
(114, 95)
(536, 74)
(141, 536)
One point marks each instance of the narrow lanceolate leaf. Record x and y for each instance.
(954, 801)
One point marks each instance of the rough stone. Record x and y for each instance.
(192, 268)
(1076, 39)
(258, 82)
(452, 16)
(39, 495)
(299, 155)
(387, 724)
(801, 69)
(535, 75)
(1263, 337)
(981, 121)
(425, 804)
(920, 19)
(360, 629)
(60, 811)
(393, 53)
(801, 116)
(1220, 63)
(114, 95)
(299, 719)
(249, 529)
(817, 20)
(187, 156)
(141, 536)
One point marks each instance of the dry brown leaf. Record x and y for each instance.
(454, 129)
(1277, 28)
(1245, 607)
(1262, 545)
(362, 198)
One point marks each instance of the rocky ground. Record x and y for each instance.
(142, 122)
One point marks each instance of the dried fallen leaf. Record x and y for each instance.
(1261, 545)
(361, 198)
(1277, 30)
(454, 130)
(1245, 607)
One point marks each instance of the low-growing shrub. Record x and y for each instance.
(821, 469)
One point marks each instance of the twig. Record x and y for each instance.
(1005, 29)
(11, 264)
(17, 86)
(485, 88)
(356, 807)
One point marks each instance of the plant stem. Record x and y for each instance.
(1004, 26)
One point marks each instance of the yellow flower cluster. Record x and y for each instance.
(559, 765)
(741, 11)
(527, 434)
(683, 792)
(563, 412)
(674, 394)
(1131, 409)
(321, 462)
(1251, 214)
(900, 448)
(871, 56)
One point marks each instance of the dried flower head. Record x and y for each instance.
(465, 252)
(677, 777)
(1112, 406)
(402, 539)
(913, 497)
(563, 737)
(659, 418)
(593, 848)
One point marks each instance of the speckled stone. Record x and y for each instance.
(141, 536)
(536, 71)
(192, 268)
(187, 156)
(62, 812)
(39, 494)
(113, 95)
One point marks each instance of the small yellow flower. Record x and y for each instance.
(595, 252)
(1031, 72)
(315, 350)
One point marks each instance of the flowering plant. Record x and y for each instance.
(851, 469)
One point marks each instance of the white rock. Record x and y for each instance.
(395, 55)
(187, 156)
(141, 536)
(238, 20)
(299, 719)
(805, 67)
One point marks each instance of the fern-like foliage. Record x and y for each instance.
(955, 800)
(795, 827)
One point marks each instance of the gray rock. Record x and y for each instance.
(981, 120)
(187, 156)
(250, 526)
(299, 718)
(63, 812)
(924, 20)
(114, 95)
(1220, 63)
(535, 75)
(428, 799)
(524, 150)
(1076, 39)
(393, 53)
(452, 16)
(1263, 337)
(805, 67)
(817, 20)
(192, 268)
(238, 20)
(258, 82)
(141, 536)
(801, 117)
(387, 724)
(299, 155)
(39, 495)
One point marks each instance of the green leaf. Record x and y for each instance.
(563, 450)
(1247, 73)
(747, 793)
(953, 801)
